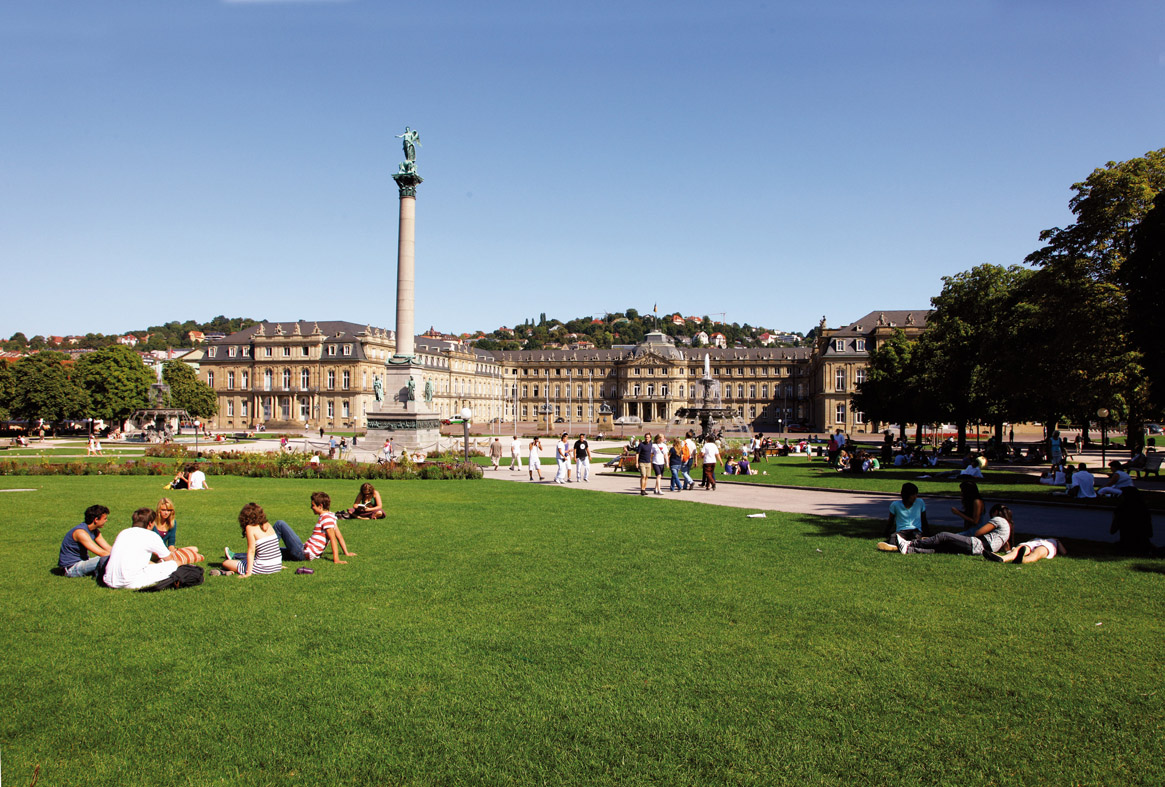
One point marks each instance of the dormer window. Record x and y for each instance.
(839, 345)
(860, 345)
(246, 352)
(347, 349)
(212, 352)
(232, 351)
(331, 349)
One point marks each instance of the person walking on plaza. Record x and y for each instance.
(582, 459)
(516, 453)
(658, 461)
(643, 461)
(535, 459)
(495, 453)
(675, 461)
(710, 455)
(562, 457)
(690, 450)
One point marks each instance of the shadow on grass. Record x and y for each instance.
(829, 526)
(1150, 568)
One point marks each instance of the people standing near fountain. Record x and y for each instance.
(643, 458)
(710, 456)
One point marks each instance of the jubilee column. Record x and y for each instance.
(403, 410)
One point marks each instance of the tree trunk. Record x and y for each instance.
(961, 446)
(917, 434)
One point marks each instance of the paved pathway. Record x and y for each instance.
(1059, 520)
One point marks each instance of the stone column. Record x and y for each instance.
(406, 266)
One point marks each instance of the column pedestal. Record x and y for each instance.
(403, 415)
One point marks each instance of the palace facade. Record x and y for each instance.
(320, 374)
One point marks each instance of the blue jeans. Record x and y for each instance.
(676, 476)
(293, 547)
(686, 469)
(83, 568)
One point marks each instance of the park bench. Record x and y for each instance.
(1152, 465)
(629, 462)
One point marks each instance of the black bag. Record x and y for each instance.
(183, 577)
(99, 575)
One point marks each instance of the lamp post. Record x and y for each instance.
(466, 415)
(1102, 414)
(197, 427)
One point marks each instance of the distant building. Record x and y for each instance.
(128, 340)
(195, 337)
(718, 340)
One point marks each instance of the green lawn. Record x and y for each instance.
(507, 634)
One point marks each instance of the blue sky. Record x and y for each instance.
(774, 161)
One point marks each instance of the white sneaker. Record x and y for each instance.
(903, 544)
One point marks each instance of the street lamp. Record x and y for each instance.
(197, 424)
(1102, 414)
(466, 414)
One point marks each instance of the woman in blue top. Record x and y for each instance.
(907, 520)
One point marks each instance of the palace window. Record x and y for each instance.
(246, 379)
(347, 351)
(859, 417)
(635, 389)
(558, 392)
(331, 349)
(266, 408)
(331, 409)
(535, 392)
(304, 379)
(246, 352)
(525, 412)
(525, 392)
(230, 407)
(266, 352)
(232, 351)
(210, 379)
(752, 392)
(345, 408)
(764, 391)
(285, 407)
(740, 391)
(331, 379)
(347, 380)
(839, 381)
(860, 346)
(286, 352)
(860, 376)
(651, 389)
(839, 416)
(230, 381)
(663, 389)
(304, 408)
(243, 408)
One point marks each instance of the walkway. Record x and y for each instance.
(1053, 520)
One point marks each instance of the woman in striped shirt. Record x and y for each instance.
(263, 555)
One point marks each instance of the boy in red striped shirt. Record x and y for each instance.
(326, 531)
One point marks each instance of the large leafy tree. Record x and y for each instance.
(890, 392)
(188, 392)
(117, 381)
(43, 387)
(7, 389)
(964, 360)
(1087, 357)
(1143, 278)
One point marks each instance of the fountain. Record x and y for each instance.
(711, 411)
(156, 422)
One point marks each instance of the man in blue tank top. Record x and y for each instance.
(83, 539)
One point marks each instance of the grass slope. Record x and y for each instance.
(505, 634)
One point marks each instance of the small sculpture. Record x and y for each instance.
(410, 139)
(428, 391)
(412, 395)
(377, 388)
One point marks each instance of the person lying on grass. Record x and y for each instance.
(907, 521)
(83, 539)
(1030, 551)
(263, 555)
(991, 537)
(368, 505)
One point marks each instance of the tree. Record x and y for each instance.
(1087, 356)
(188, 392)
(7, 389)
(44, 388)
(890, 392)
(1143, 279)
(117, 382)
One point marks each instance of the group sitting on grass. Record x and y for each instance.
(143, 556)
(909, 533)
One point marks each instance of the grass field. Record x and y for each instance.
(510, 634)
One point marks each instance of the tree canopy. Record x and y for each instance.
(188, 392)
(117, 381)
(43, 387)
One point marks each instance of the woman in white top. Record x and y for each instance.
(535, 458)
